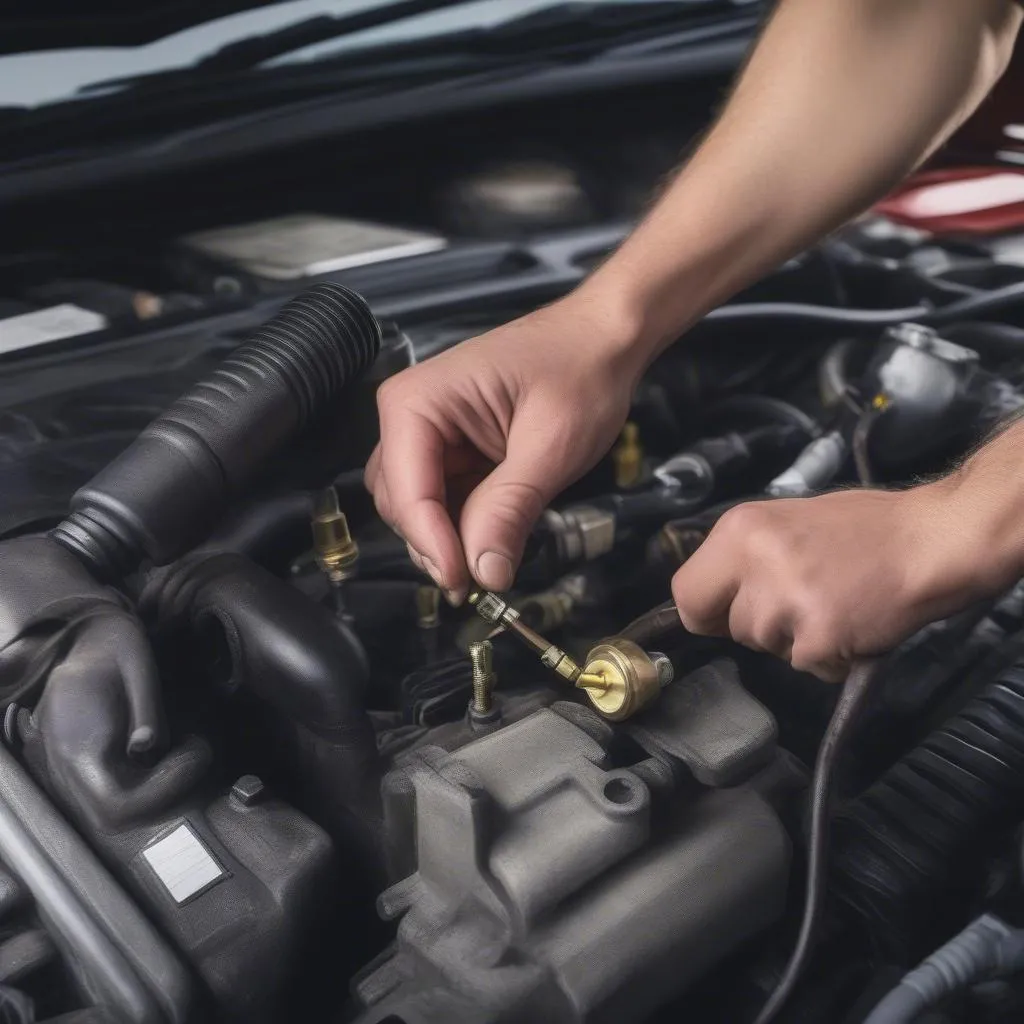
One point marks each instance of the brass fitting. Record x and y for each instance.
(497, 610)
(619, 677)
(550, 609)
(481, 654)
(628, 457)
(336, 551)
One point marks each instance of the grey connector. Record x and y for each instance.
(986, 949)
(815, 468)
(581, 533)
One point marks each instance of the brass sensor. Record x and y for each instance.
(619, 677)
(336, 550)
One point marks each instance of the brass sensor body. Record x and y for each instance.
(336, 550)
(628, 457)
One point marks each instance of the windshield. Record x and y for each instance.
(45, 76)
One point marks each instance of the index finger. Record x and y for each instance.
(704, 588)
(412, 463)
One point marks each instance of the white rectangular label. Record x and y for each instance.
(50, 324)
(182, 863)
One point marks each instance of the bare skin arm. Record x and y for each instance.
(839, 101)
(821, 581)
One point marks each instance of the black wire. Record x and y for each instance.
(848, 707)
(868, 320)
(975, 305)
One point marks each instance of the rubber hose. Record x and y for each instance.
(870, 321)
(905, 847)
(655, 624)
(161, 496)
(977, 305)
(991, 339)
(765, 408)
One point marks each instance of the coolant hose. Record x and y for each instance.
(162, 495)
(986, 949)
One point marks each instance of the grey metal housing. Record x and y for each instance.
(552, 887)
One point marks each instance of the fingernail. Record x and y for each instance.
(455, 597)
(434, 573)
(494, 571)
(141, 740)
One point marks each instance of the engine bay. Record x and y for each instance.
(254, 767)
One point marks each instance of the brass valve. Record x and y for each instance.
(336, 550)
(619, 677)
(628, 457)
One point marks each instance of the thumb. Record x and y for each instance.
(501, 511)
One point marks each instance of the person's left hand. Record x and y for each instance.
(823, 581)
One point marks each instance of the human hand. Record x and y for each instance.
(478, 440)
(823, 581)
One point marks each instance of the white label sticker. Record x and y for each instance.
(50, 324)
(182, 863)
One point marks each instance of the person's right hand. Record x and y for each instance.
(477, 441)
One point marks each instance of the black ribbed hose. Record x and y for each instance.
(162, 495)
(904, 850)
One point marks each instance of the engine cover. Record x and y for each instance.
(550, 887)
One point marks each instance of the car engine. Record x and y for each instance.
(254, 767)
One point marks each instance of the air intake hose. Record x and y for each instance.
(162, 495)
(904, 850)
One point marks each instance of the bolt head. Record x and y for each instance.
(248, 790)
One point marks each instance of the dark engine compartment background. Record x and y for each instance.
(254, 658)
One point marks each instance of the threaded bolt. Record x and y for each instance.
(481, 655)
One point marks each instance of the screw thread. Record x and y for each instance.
(480, 654)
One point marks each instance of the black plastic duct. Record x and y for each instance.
(161, 496)
(906, 849)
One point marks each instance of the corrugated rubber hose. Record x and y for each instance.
(163, 494)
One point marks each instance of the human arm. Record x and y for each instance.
(838, 102)
(822, 581)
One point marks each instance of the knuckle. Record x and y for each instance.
(516, 504)
(764, 634)
(739, 524)
(695, 624)
(693, 620)
(389, 395)
(812, 652)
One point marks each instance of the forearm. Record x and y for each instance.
(840, 100)
(986, 499)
